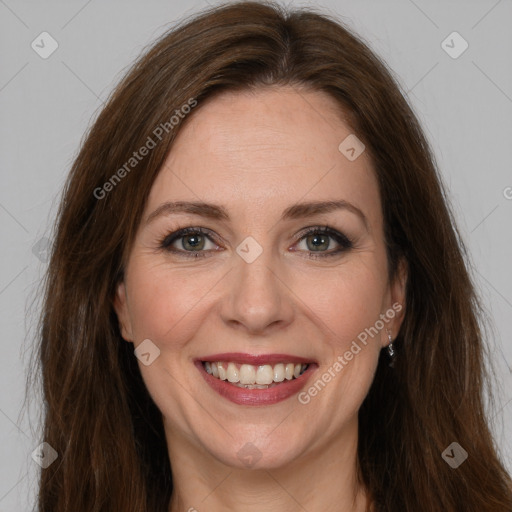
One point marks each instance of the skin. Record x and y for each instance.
(257, 153)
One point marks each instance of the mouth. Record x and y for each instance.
(249, 376)
(256, 380)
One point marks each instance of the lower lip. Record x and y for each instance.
(269, 396)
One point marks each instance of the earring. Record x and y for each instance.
(391, 350)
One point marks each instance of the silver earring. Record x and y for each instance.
(391, 350)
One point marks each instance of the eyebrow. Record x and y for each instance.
(218, 212)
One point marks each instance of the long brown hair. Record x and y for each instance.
(98, 414)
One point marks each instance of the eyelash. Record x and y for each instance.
(344, 242)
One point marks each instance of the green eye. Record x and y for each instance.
(193, 242)
(319, 239)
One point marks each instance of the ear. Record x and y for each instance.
(396, 304)
(123, 315)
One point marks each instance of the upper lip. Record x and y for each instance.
(255, 359)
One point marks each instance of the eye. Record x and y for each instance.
(190, 240)
(319, 239)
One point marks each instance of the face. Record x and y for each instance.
(261, 289)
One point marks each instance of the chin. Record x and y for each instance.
(259, 451)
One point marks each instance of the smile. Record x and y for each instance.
(256, 379)
(250, 376)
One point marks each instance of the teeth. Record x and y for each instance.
(254, 377)
(247, 374)
(265, 374)
(279, 372)
(222, 371)
(253, 386)
(232, 373)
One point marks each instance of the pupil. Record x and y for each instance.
(196, 241)
(322, 240)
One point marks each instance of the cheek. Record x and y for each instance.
(348, 300)
(163, 302)
(349, 306)
(168, 304)
(167, 307)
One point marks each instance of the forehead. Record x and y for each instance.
(260, 151)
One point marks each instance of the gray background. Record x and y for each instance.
(464, 104)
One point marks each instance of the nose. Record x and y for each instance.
(258, 298)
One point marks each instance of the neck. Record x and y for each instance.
(324, 478)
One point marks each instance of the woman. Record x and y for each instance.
(257, 298)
